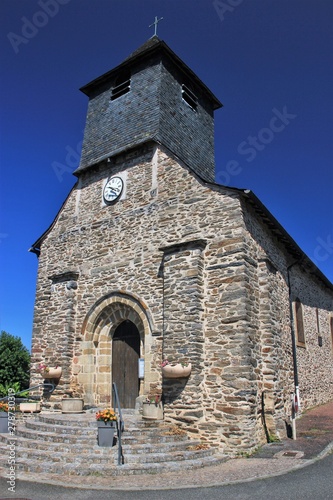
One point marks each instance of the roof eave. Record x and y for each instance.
(288, 242)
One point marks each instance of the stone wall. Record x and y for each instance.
(314, 360)
(314, 363)
(201, 277)
(183, 331)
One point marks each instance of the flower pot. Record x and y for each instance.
(3, 422)
(30, 407)
(105, 433)
(72, 405)
(176, 371)
(52, 372)
(152, 411)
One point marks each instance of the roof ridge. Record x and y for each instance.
(151, 42)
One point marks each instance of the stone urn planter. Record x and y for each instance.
(30, 407)
(152, 410)
(52, 373)
(105, 433)
(176, 371)
(3, 422)
(72, 405)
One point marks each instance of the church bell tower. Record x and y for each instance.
(151, 96)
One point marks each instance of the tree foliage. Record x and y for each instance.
(14, 362)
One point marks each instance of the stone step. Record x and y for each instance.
(41, 427)
(129, 446)
(59, 417)
(85, 426)
(53, 437)
(59, 457)
(67, 444)
(31, 443)
(77, 422)
(134, 422)
(168, 456)
(136, 428)
(116, 470)
(130, 437)
(110, 457)
(77, 418)
(160, 447)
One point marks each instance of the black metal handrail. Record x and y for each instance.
(44, 385)
(120, 423)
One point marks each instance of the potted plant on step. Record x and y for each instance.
(49, 372)
(3, 417)
(106, 426)
(152, 408)
(177, 370)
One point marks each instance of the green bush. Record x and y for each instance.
(14, 364)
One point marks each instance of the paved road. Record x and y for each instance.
(314, 482)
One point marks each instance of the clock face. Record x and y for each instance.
(113, 189)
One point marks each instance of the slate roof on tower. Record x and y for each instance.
(146, 50)
(151, 96)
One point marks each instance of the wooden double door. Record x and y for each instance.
(125, 363)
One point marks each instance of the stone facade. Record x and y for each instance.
(206, 276)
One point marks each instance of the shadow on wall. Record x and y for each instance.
(173, 389)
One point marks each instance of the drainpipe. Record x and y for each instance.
(295, 397)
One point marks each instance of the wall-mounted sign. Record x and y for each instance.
(141, 368)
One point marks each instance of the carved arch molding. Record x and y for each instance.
(111, 310)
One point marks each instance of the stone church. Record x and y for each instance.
(149, 259)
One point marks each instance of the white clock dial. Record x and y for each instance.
(113, 189)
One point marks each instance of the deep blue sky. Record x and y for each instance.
(256, 56)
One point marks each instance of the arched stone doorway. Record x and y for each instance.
(93, 370)
(125, 358)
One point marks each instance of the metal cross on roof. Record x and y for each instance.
(156, 23)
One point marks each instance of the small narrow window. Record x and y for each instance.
(189, 97)
(331, 328)
(122, 85)
(299, 323)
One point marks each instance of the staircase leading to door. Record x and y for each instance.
(67, 444)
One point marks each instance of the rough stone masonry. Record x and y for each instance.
(205, 274)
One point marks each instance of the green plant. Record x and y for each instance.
(14, 362)
(155, 399)
(5, 388)
(248, 454)
(272, 438)
(24, 394)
